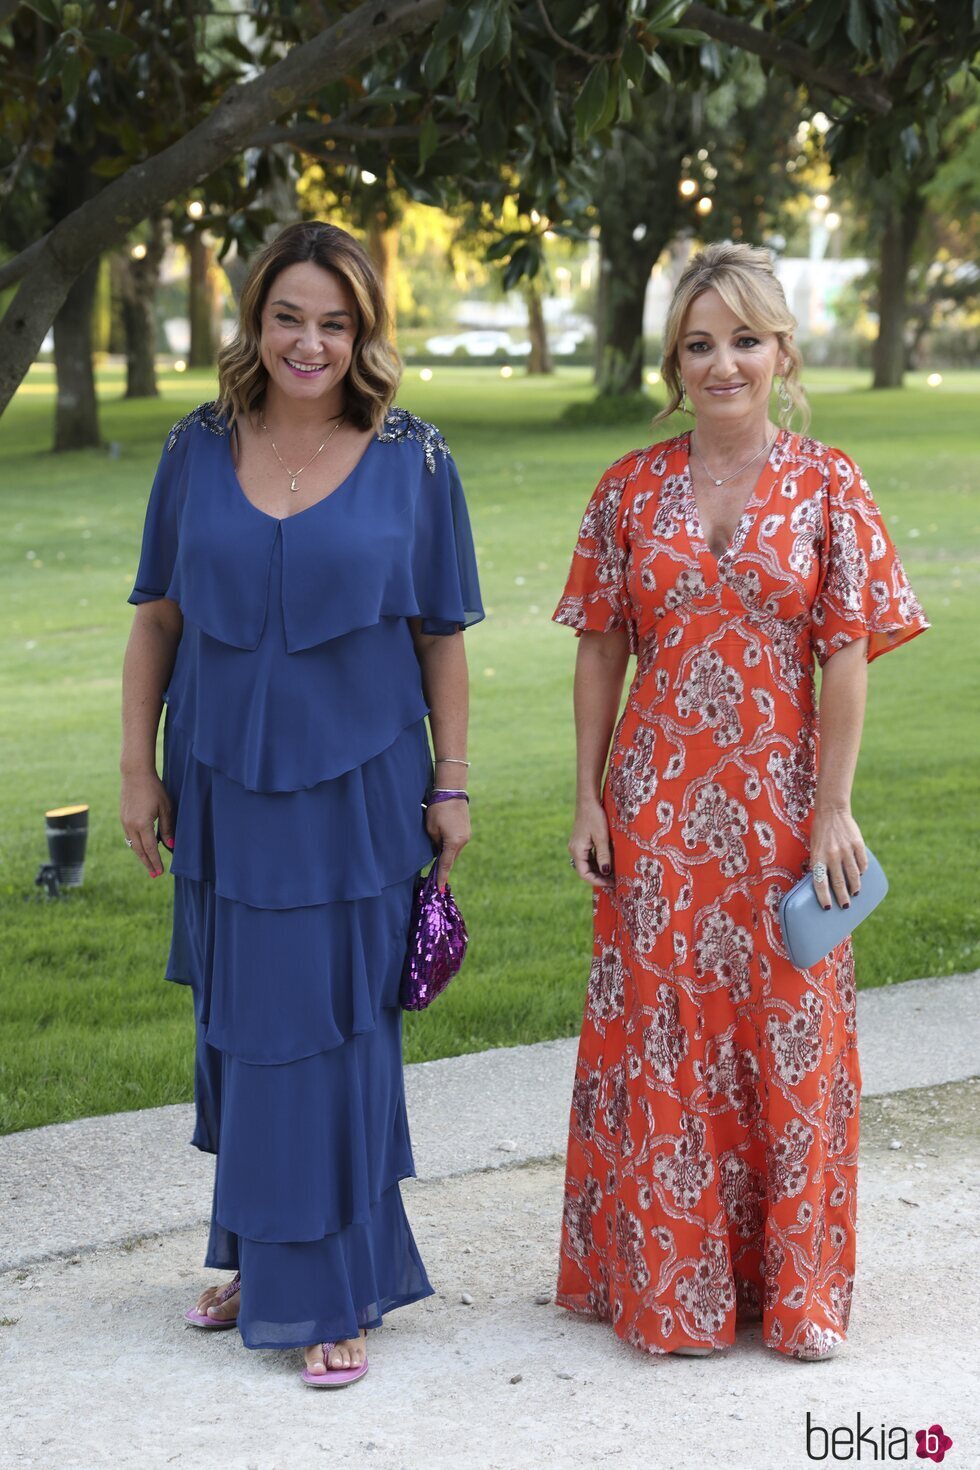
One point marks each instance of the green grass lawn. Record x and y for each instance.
(88, 1024)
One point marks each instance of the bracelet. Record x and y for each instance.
(450, 760)
(438, 794)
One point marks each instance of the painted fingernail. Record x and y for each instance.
(826, 908)
(605, 868)
(169, 842)
(845, 905)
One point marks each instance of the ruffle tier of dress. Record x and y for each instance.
(297, 759)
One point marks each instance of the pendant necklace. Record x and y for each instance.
(758, 455)
(295, 474)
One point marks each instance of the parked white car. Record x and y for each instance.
(474, 344)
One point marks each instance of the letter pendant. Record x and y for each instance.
(292, 484)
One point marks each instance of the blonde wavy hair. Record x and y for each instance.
(744, 278)
(374, 371)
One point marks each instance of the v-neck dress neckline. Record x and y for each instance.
(761, 492)
(343, 484)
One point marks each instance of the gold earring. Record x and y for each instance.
(685, 407)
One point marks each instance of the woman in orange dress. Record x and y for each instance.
(713, 1142)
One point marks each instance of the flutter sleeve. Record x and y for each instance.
(158, 556)
(595, 599)
(863, 589)
(447, 587)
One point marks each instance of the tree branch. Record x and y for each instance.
(570, 45)
(787, 54)
(51, 265)
(311, 132)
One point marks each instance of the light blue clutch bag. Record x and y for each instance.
(810, 932)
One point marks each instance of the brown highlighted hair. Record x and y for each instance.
(744, 277)
(374, 371)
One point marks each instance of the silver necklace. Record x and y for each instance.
(295, 474)
(758, 455)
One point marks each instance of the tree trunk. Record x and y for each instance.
(76, 418)
(601, 314)
(539, 360)
(619, 370)
(140, 279)
(382, 246)
(201, 302)
(901, 225)
(637, 200)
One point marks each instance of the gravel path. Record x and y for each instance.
(97, 1369)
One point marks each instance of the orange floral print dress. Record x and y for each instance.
(713, 1142)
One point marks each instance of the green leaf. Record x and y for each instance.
(504, 246)
(660, 66)
(518, 265)
(46, 9)
(428, 140)
(466, 80)
(633, 61)
(858, 27)
(678, 36)
(608, 113)
(110, 168)
(381, 96)
(665, 15)
(625, 98)
(591, 101)
(478, 31)
(499, 50)
(110, 43)
(71, 76)
(820, 20)
(435, 63)
(889, 39)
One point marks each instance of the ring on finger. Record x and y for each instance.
(572, 861)
(820, 872)
(129, 842)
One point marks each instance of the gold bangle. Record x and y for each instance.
(450, 760)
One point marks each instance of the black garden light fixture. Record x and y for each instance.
(66, 828)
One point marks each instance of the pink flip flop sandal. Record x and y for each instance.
(201, 1319)
(333, 1377)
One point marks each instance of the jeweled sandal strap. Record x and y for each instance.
(234, 1285)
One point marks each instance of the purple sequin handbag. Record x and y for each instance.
(437, 942)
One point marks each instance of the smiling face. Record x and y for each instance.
(309, 327)
(727, 367)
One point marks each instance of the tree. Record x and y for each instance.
(924, 52)
(138, 276)
(493, 86)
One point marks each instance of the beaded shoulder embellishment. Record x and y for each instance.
(208, 415)
(400, 424)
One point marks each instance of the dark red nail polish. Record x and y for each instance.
(826, 908)
(605, 869)
(845, 905)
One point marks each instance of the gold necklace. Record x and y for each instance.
(758, 455)
(295, 474)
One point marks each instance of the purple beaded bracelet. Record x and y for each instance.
(436, 796)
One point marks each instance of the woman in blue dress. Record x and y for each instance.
(306, 573)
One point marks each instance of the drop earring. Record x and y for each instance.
(684, 406)
(785, 401)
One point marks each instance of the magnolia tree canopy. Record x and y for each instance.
(143, 103)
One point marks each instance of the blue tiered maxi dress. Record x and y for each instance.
(296, 754)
